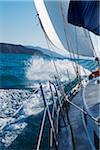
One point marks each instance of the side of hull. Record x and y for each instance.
(92, 131)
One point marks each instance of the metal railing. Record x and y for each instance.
(53, 115)
(54, 110)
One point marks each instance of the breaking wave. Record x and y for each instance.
(43, 70)
(19, 104)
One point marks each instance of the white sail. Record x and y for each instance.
(47, 24)
(62, 34)
(96, 42)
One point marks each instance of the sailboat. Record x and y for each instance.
(73, 28)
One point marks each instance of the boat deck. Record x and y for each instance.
(92, 97)
(27, 139)
(81, 141)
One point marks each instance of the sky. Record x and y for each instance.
(19, 24)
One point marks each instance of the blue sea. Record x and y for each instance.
(21, 104)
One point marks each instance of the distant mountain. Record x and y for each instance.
(30, 50)
(18, 49)
(47, 52)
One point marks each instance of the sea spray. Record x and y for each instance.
(40, 69)
(20, 104)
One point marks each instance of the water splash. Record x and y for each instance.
(38, 69)
(43, 70)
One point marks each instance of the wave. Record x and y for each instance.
(9, 81)
(43, 70)
(18, 104)
(17, 107)
(9, 77)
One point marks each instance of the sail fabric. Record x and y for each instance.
(86, 14)
(96, 44)
(47, 24)
(67, 37)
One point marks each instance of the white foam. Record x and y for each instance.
(12, 100)
(11, 135)
(42, 69)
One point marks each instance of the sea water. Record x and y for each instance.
(21, 107)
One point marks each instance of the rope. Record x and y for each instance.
(80, 109)
(46, 34)
(75, 66)
(78, 67)
(61, 109)
(91, 44)
(48, 44)
(47, 41)
(54, 63)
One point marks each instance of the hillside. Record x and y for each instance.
(30, 50)
(18, 49)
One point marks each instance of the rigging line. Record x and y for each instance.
(70, 53)
(48, 40)
(67, 41)
(85, 71)
(46, 33)
(60, 85)
(78, 71)
(65, 26)
(69, 80)
(54, 63)
(77, 45)
(68, 76)
(94, 52)
(78, 66)
(58, 79)
(64, 23)
(77, 60)
(54, 50)
(48, 45)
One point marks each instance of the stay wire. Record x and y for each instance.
(48, 44)
(77, 69)
(72, 56)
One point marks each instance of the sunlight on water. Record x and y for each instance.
(20, 104)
